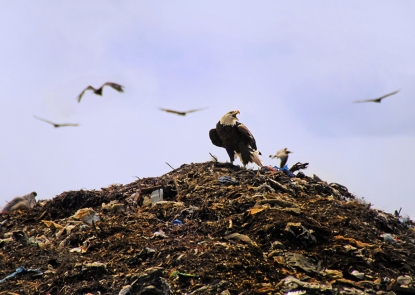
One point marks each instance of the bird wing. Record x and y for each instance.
(195, 110)
(365, 100)
(378, 99)
(389, 94)
(82, 93)
(67, 124)
(44, 120)
(247, 135)
(115, 86)
(214, 137)
(173, 111)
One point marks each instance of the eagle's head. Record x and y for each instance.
(229, 118)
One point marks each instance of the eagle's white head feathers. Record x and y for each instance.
(229, 118)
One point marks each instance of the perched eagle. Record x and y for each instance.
(236, 139)
(98, 91)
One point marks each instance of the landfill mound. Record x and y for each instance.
(218, 230)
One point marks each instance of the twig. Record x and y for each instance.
(170, 165)
(214, 157)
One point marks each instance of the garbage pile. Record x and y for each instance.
(208, 229)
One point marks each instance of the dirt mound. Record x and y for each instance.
(218, 230)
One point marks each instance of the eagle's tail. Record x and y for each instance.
(255, 158)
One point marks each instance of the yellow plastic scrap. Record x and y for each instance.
(254, 211)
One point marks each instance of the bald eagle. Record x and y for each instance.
(236, 139)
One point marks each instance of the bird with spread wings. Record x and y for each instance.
(378, 100)
(181, 113)
(55, 124)
(98, 91)
(283, 155)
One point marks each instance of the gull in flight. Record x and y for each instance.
(378, 99)
(181, 113)
(283, 155)
(56, 125)
(98, 91)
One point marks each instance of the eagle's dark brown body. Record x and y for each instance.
(236, 139)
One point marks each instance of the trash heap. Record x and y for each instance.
(208, 228)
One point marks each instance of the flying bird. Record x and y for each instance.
(236, 138)
(98, 91)
(377, 99)
(181, 113)
(56, 125)
(283, 155)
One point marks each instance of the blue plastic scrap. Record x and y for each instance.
(227, 180)
(177, 222)
(21, 270)
(285, 169)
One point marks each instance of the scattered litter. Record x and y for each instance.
(357, 274)
(87, 215)
(388, 238)
(159, 234)
(156, 196)
(227, 180)
(177, 222)
(239, 237)
(181, 274)
(22, 270)
(285, 169)
(267, 234)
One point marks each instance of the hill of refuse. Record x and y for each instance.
(218, 230)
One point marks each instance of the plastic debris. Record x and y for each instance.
(177, 222)
(87, 215)
(404, 280)
(181, 274)
(159, 234)
(156, 196)
(388, 238)
(358, 274)
(284, 169)
(227, 180)
(302, 262)
(239, 237)
(21, 270)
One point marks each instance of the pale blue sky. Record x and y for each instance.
(292, 68)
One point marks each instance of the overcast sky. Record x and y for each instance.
(292, 68)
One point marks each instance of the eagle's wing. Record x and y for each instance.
(82, 93)
(195, 110)
(116, 86)
(247, 134)
(214, 137)
(44, 120)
